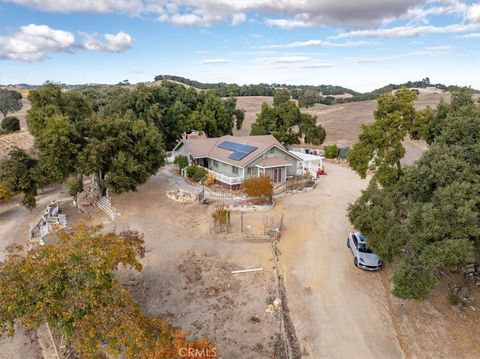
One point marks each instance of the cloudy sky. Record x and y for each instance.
(361, 44)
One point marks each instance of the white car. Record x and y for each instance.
(364, 258)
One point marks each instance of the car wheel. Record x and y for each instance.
(348, 243)
(355, 262)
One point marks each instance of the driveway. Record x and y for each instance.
(338, 310)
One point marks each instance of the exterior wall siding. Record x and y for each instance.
(223, 168)
(291, 170)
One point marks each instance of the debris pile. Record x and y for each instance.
(182, 196)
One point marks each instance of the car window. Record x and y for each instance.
(355, 241)
(363, 248)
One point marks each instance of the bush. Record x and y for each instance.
(210, 179)
(196, 173)
(331, 151)
(10, 124)
(181, 162)
(5, 193)
(258, 186)
(74, 186)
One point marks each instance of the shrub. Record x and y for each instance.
(5, 193)
(10, 124)
(331, 151)
(74, 186)
(210, 179)
(196, 173)
(181, 162)
(258, 186)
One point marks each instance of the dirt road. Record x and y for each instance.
(338, 310)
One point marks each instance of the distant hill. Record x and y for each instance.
(307, 95)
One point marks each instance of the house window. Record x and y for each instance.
(250, 170)
(215, 163)
(235, 170)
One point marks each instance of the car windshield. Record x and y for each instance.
(363, 248)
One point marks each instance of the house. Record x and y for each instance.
(233, 159)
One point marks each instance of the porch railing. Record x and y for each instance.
(225, 179)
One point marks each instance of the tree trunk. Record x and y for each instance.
(98, 183)
(80, 182)
(399, 169)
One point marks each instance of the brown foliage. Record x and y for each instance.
(258, 186)
(71, 285)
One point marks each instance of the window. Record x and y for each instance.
(355, 241)
(235, 170)
(215, 163)
(250, 170)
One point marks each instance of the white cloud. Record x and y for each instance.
(472, 35)
(311, 43)
(118, 42)
(215, 62)
(428, 51)
(473, 13)
(408, 31)
(288, 23)
(239, 18)
(193, 12)
(68, 6)
(31, 42)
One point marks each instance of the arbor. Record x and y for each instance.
(285, 121)
(10, 101)
(10, 124)
(380, 143)
(428, 218)
(71, 285)
(17, 173)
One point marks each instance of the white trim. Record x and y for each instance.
(274, 145)
(284, 165)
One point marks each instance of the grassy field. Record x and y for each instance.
(342, 122)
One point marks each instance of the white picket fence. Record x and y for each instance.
(218, 196)
(105, 204)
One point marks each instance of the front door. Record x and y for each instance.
(277, 175)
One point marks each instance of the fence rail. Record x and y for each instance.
(225, 179)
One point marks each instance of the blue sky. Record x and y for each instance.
(358, 44)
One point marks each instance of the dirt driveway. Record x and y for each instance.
(338, 310)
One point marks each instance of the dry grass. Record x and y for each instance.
(342, 122)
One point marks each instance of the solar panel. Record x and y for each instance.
(237, 156)
(247, 148)
(232, 146)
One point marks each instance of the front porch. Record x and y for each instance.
(226, 181)
(274, 167)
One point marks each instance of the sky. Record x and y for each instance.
(361, 44)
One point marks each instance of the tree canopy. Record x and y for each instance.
(71, 285)
(427, 218)
(18, 174)
(285, 121)
(380, 142)
(10, 101)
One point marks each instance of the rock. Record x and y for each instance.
(463, 293)
(458, 307)
(276, 303)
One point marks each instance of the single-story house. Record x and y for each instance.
(233, 159)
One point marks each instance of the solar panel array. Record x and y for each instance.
(239, 151)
